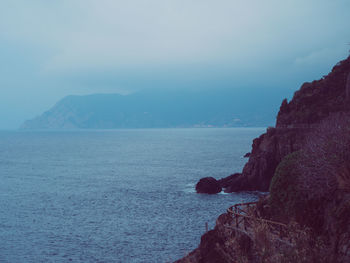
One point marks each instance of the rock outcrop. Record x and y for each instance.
(208, 185)
(312, 103)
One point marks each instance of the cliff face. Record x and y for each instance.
(315, 211)
(309, 105)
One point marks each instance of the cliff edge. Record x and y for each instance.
(311, 104)
(304, 162)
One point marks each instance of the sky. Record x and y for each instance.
(51, 49)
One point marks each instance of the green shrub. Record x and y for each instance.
(288, 199)
(285, 198)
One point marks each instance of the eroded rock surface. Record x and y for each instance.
(312, 103)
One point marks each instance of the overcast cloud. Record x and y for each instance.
(49, 49)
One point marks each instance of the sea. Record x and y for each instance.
(123, 195)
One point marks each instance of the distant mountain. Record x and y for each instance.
(155, 109)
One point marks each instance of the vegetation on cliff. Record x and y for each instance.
(314, 102)
(285, 199)
(305, 163)
(309, 194)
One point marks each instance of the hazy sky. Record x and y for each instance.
(49, 49)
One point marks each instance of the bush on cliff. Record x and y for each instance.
(307, 180)
(285, 199)
(288, 200)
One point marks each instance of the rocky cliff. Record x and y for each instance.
(307, 156)
(312, 103)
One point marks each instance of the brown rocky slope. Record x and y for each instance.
(312, 103)
(307, 146)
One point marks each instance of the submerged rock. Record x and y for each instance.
(208, 185)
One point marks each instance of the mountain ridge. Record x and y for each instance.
(150, 109)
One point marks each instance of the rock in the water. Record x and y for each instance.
(208, 185)
(227, 181)
(246, 155)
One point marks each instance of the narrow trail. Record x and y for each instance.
(245, 217)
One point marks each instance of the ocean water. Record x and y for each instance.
(113, 196)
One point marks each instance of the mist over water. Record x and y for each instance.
(113, 196)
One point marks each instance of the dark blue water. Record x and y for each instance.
(112, 196)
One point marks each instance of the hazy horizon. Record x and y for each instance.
(51, 49)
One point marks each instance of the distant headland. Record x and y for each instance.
(156, 109)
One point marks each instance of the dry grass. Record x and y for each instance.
(298, 245)
(291, 244)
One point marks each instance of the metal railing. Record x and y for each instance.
(243, 218)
